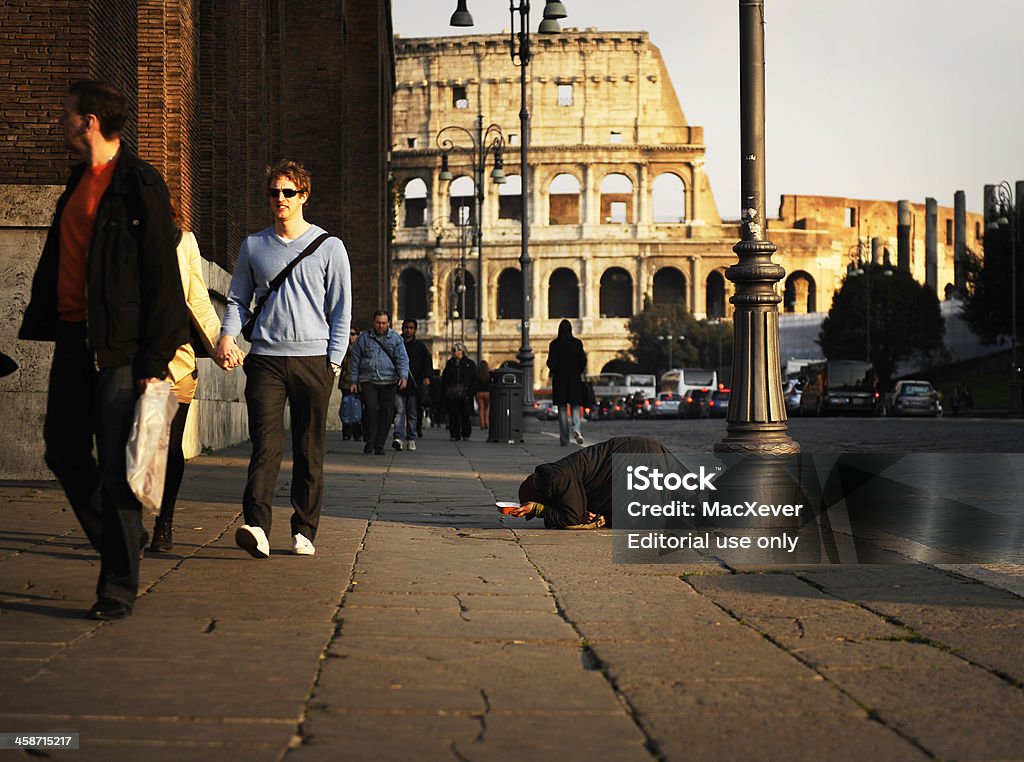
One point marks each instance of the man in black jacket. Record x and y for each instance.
(408, 399)
(108, 292)
(576, 491)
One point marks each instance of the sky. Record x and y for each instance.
(867, 99)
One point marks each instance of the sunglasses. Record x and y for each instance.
(286, 192)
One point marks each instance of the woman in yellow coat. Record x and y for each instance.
(184, 375)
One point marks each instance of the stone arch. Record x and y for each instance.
(616, 199)
(563, 294)
(616, 298)
(461, 192)
(564, 200)
(414, 200)
(668, 198)
(510, 198)
(669, 286)
(412, 295)
(715, 294)
(800, 293)
(510, 294)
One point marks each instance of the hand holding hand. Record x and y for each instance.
(228, 355)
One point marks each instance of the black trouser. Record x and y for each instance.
(378, 412)
(175, 464)
(84, 404)
(458, 418)
(306, 384)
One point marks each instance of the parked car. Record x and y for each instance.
(718, 406)
(545, 410)
(913, 398)
(666, 405)
(792, 392)
(697, 404)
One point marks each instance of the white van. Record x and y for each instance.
(682, 381)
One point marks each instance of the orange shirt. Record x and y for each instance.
(76, 225)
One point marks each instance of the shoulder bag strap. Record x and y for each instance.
(283, 275)
(385, 350)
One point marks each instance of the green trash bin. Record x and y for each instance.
(506, 406)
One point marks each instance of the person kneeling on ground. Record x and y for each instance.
(576, 491)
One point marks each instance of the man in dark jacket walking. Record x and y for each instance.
(567, 362)
(108, 292)
(408, 399)
(576, 491)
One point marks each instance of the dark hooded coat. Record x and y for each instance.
(567, 362)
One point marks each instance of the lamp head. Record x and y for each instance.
(549, 26)
(498, 173)
(554, 10)
(446, 174)
(461, 17)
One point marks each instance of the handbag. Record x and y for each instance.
(275, 284)
(455, 392)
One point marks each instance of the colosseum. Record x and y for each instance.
(620, 209)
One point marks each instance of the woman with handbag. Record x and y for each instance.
(351, 411)
(183, 371)
(458, 385)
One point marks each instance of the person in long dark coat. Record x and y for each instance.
(576, 491)
(458, 385)
(567, 362)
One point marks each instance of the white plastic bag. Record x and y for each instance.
(146, 453)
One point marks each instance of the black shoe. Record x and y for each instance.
(107, 609)
(143, 542)
(367, 448)
(163, 537)
(346, 437)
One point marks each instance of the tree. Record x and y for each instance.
(986, 306)
(905, 321)
(694, 343)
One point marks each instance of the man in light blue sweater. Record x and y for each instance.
(298, 342)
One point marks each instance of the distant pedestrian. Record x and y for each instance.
(568, 363)
(483, 394)
(408, 399)
(458, 385)
(108, 292)
(380, 368)
(298, 343)
(351, 421)
(184, 373)
(968, 399)
(957, 400)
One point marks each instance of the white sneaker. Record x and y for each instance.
(397, 444)
(577, 436)
(301, 546)
(253, 540)
(411, 445)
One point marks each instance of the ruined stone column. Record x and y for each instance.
(931, 258)
(903, 220)
(876, 251)
(960, 241)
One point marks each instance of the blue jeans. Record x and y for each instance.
(406, 406)
(563, 421)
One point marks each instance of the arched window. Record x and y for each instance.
(564, 200)
(669, 198)
(460, 196)
(563, 294)
(412, 294)
(715, 295)
(800, 296)
(669, 286)
(616, 200)
(510, 198)
(510, 294)
(616, 293)
(415, 195)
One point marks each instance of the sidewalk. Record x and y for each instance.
(427, 627)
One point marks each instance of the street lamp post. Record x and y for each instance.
(519, 50)
(481, 142)
(462, 233)
(757, 412)
(1003, 205)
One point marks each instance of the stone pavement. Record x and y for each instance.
(427, 627)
